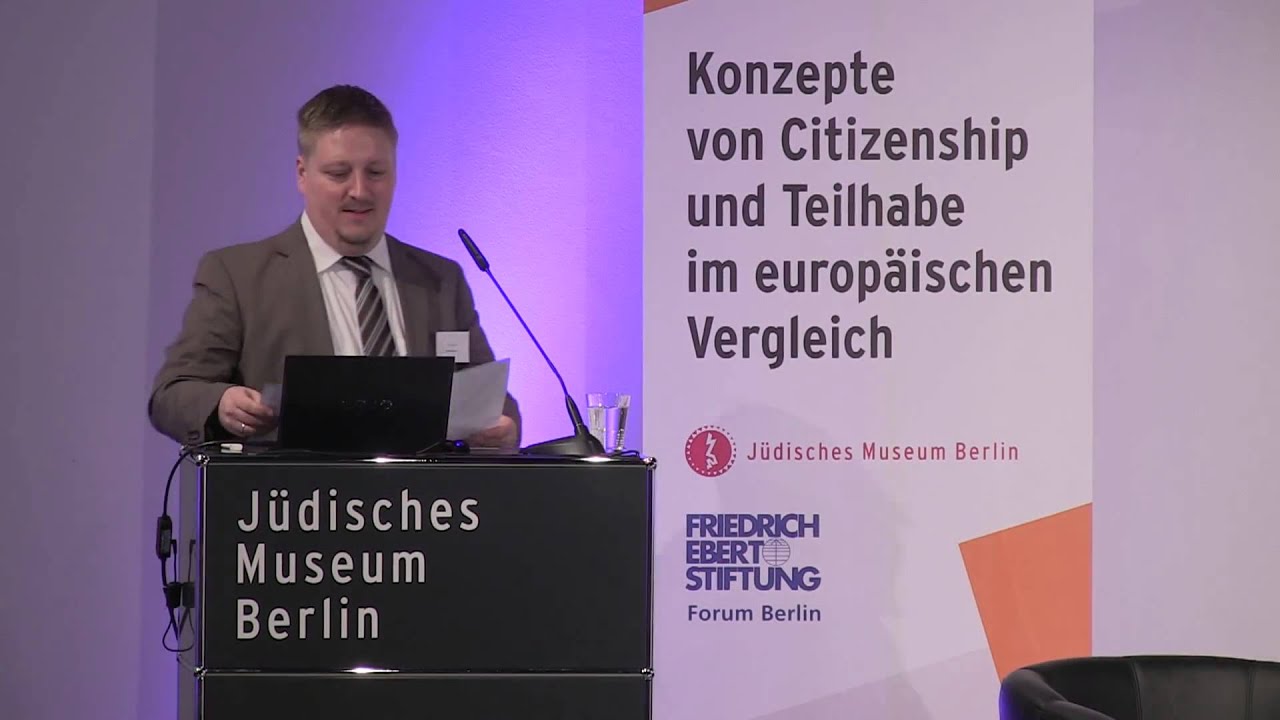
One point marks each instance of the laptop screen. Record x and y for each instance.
(356, 404)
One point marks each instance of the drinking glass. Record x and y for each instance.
(607, 419)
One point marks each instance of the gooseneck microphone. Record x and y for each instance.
(581, 443)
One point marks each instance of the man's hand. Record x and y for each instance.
(242, 412)
(502, 435)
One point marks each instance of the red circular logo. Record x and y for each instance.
(709, 451)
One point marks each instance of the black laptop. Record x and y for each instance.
(365, 405)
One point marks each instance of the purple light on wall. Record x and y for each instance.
(522, 123)
(519, 121)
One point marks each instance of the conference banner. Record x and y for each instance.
(868, 350)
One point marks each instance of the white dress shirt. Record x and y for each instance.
(338, 283)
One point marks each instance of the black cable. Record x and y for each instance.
(177, 594)
(182, 619)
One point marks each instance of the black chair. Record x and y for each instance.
(1143, 687)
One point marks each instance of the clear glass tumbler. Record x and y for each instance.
(607, 419)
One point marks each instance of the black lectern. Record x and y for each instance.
(460, 587)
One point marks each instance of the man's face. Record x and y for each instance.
(347, 182)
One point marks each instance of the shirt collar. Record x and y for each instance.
(326, 257)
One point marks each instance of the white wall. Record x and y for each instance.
(76, 88)
(1187, 395)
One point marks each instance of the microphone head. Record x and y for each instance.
(476, 255)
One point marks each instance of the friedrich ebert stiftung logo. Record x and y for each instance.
(751, 567)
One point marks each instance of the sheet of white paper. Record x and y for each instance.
(478, 395)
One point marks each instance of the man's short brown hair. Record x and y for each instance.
(341, 105)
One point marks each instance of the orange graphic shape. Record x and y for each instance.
(1033, 586)
(651, 5)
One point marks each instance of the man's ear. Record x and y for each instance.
(301, 171)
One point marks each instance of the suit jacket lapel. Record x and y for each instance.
(416, 286)
(301, 286)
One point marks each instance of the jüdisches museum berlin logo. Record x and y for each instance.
(710, 451)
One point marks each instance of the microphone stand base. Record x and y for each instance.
(581, 445)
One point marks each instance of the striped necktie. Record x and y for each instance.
(375, 329)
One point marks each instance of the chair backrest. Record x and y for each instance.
(1144, 687)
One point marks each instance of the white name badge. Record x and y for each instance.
(456, 344)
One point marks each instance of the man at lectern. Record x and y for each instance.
(333, 282)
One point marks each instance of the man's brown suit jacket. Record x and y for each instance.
(255, 303)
